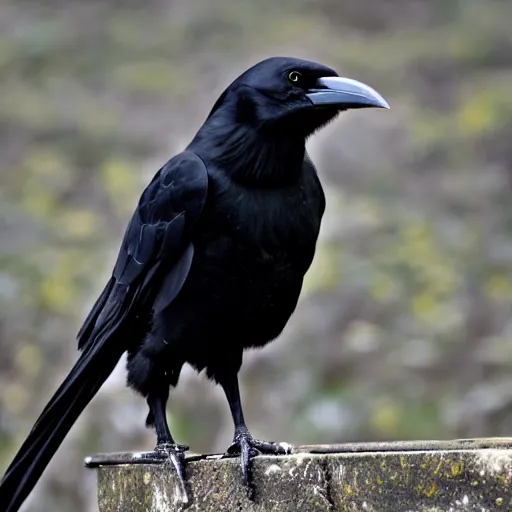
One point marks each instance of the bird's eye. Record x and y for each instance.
(294, 76)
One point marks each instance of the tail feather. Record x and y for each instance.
(102, 349)
(90, 322)
(77, 390)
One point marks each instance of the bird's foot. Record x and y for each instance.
(175, 454)
(247, 447)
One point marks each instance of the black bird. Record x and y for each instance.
(212, 261)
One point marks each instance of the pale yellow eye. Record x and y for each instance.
(294, 76)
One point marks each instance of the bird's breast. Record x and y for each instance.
(255, 249)
(250, 256)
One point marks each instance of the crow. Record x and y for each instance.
(211, 263)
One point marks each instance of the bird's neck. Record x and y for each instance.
(253, 157)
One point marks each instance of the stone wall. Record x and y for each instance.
(396, 477)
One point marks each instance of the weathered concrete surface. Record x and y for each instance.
(428, 476)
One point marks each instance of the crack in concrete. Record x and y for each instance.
(324, 464)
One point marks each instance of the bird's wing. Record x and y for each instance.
(156, 252)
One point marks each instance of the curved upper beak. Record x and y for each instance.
(344, 93)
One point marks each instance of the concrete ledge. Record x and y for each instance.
(428, 476)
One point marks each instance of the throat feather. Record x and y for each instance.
(253, 159)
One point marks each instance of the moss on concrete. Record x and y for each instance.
(382, 480)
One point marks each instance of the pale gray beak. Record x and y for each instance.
(344, 93)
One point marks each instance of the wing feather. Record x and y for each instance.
(156, 253)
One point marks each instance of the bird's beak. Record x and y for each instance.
(344, 93)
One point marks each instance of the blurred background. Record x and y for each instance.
(404, 330)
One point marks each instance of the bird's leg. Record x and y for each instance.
(166, 446)
(243, 443)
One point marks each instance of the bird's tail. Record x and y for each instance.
(93, 367)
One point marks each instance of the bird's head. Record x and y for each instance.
(294, 95)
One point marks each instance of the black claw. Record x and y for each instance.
(247, 448)
(246, 455)
(166, 447)
(272, 448)
(175, 454)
